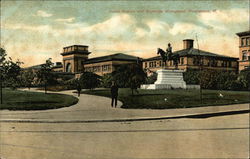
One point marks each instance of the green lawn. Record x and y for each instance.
(24, 100)
(165, 99)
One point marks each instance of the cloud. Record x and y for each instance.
(183, 28)
(123, 33)
(67, 20)
(39, 28)
(220, 18)
(42, 13)
(157, 27)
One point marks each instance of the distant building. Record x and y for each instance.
(58, 67)
(190, 58)
(107, 64)
(244, 50)
(75, 60)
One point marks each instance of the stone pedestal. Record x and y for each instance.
(167, 79)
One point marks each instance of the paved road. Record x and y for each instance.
(92, 107)
(216, 137)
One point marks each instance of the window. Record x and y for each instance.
(196, 61)
(68, 67)
(106, 68)
(215, 63)
(209, 63)
(247, 41)
(244, 55)
(160, 62)
(154, 63)
(242, 41)
(230, 64)
(224, 64)
(182, 60)
(150, 64)
(146, 64)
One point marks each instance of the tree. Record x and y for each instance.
(2, 71)
(9, 72)
(152, 78)
(225, 80)
(44, 75)
(244, 79)
(89, 80)
(130, 75)
(13, 73)
(106, 80)
(192, 76)
(28, 77)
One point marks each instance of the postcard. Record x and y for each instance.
(124, 79)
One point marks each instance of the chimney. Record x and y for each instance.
(188, 43)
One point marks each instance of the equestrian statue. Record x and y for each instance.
(168, 56)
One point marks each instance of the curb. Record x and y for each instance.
(203, 115)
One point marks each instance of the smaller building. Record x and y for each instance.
(107, 64)
(191, 58)
(58, 67)
(244, 50)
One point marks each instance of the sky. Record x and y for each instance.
(33, 31)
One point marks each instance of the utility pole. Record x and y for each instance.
(200, 61)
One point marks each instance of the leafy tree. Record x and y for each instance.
(192, 76)
(12, 73)
(225, 80)
(152, 78)
(28, 77)
(90, 80)
(130, 75)
(244, 79)
(44, 75)
(2, 70)
(106, 80)
(9, 72)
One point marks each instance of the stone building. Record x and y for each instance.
(191, 58)
(75, 60)
(244, 50)
(107, 64)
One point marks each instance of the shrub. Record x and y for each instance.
(191, 76)
(130, 75)
(152, 78)
(89, 80)
(106, 80)
(244, 79)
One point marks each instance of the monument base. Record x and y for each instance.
(168, 79)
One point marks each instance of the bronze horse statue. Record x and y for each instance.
(168, 56)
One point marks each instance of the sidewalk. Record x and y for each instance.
(97, 109)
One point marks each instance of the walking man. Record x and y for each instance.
(114, 93)
(78, 88)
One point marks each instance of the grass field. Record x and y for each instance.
(166, 99)
(24, 100)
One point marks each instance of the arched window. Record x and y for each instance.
(68, 68)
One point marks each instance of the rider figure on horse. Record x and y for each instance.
(169, 50)
(168, 56)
